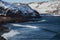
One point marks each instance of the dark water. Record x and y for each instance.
(47, 28)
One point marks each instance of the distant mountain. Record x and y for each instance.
(46, 7)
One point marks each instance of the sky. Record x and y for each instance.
(24, 1)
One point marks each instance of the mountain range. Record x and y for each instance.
(52, 7)
(46, 7)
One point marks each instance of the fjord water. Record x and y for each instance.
(46, 28)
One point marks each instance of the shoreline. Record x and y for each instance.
(3, 30)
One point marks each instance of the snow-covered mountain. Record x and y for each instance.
(6, 5)
(24, 8)
(50, 7)
(46, 7)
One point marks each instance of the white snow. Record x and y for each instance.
(12, 33)
(28, 26)
(24, 8)
(45, 7)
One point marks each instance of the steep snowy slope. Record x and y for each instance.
(6, 4)
(24, 8)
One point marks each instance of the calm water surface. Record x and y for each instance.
(47, 28)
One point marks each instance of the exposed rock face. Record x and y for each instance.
(11, 12)
(1, 38)
(21, 10)
(4, 29)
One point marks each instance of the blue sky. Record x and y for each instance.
(24, 1)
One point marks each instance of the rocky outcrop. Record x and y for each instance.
(4, 20)
(2, 31)
(2, 38)
(19, 10)
(12, 12)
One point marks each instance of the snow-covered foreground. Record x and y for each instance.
(19, 30)
(45, 29)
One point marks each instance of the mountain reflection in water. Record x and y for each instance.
(47, 28)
